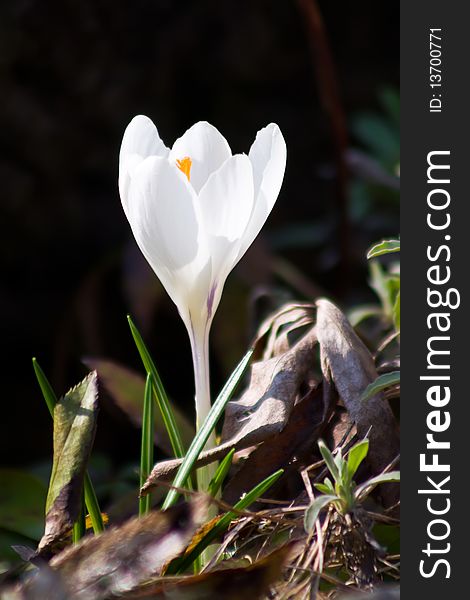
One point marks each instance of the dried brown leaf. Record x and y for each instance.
(348, 363)
(303, 428)
(275, 384)
(264, 408)
(273, 337)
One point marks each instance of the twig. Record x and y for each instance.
(231, 535)
(258, 516)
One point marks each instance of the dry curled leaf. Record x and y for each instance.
(273, 337)
(275, 384)
(348, 363)
(303, 428)
(264, 408)
(74, 431)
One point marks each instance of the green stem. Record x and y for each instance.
(199, 337)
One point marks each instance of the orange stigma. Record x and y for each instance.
(185, 165)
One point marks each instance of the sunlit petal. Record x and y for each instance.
(268, 157)
(206, 147)
(163, 219)
(226, 200)
(226, 204)
(140, 141)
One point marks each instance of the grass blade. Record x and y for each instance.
(204, 432)
(46, 388)
(225, 521)
(79, 527)
(90, 496)
(220, 474)
(159, 392)
(92, 505)
(146, 453)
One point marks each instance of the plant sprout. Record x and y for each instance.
(194, 210)
(342, 492)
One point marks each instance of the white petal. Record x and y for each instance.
(225, 205)
(192, 290)
(226, 200)
(268, 157)
(206, 147)
(164, 223)
(140, 141)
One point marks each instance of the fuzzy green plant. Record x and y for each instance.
(341, 491)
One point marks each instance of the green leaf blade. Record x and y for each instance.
(204, 432)
(220, 474)
(396, 312)
(92, 505)
(329, 460)
(159, 393)
(391, 477)
(381, 383)
(355, 457)
(384, 247)
(74, 431)
(79, 527)
(324, 488)
(46, 388)
(91, 499)
(147, 443)
(313, 511)
(226, 519)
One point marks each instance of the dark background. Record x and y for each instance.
(72, 75)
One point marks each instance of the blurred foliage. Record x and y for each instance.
(379, 132)
(375, 190)
(22, 501)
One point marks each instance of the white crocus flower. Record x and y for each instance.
(194, 210)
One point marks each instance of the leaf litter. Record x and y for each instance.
(307, 383)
